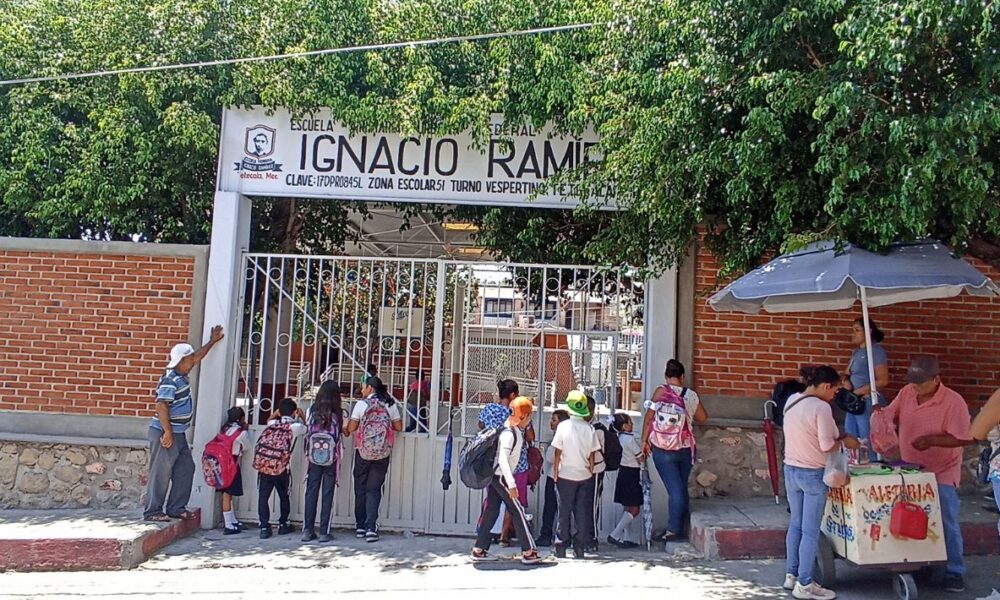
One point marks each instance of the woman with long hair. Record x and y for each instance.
(325, 425)
(858, 378)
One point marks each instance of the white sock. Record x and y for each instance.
(623, 523)
(230, 518)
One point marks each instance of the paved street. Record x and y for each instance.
(210, 565)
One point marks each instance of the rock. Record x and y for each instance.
(137, 457)
(8, 470)
(29, 457)
(10, 449)
(60, 447)
(96, 468)
(58, 493)
(76, 457)
(143, 478)
(46, 461)
(123, 472)
(112, 485)
(732, 442)
(762, 473)
(68, 474)
(109, 454)
(81, 495)
(706, 478)
(734, 429)
(757, 439)
(31, 482)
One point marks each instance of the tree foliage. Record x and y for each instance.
(771, 122)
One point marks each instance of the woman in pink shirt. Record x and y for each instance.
(810, 433)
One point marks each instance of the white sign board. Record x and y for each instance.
(316, 157)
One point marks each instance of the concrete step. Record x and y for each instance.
(754, 528)
(82, 540)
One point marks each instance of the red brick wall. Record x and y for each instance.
(743, 355)
(89, 333)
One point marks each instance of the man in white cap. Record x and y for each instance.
(171, 467)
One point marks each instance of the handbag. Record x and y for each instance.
(907, 520)
(836, 473)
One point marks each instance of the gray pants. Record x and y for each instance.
(169, 469)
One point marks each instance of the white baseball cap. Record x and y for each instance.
(178, 352)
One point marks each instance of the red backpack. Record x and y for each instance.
(217, 461)
(273, 450)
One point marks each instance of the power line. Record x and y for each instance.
(310, 53)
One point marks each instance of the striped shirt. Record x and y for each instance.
(175, 390)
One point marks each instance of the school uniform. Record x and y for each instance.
(508, 454)
(240, 444)
(576, 441)
(628, 487)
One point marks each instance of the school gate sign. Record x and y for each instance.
(313, 156)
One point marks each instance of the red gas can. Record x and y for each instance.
(908, 521)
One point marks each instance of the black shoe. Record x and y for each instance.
(560, 551)
(991, 508)
(231, 530)
(285, 529)
(371, 536)
(324, 538)
(615, 542)
(360, 533)
(629, 545)
(308, 535)
(265, 532)
(578, 553)
(544, 542)
(954, 583)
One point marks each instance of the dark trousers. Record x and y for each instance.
(550, 510)
(596, 506)
(319, 478)
(496, 493)
(170, 469)
(369, 475)
(576, 503)
(265, 485)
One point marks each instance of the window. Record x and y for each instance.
(498, 307)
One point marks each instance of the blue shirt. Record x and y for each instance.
(175, 390)
(858, 368)
(494, 415)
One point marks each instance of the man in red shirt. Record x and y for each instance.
(933, 428)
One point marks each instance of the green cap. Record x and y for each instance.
(576, 404)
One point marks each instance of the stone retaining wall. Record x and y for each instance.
(40, 475)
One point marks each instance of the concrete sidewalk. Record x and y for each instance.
(752, 528)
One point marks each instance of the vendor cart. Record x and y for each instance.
(857, 525)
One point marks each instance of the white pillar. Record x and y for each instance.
(659, 329)
(230, 238)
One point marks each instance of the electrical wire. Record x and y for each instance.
(308, 53)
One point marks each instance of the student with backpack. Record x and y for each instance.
(220, 464)
(600, 467)
(374, 423)
(628, 488)
(272, 455)
(322, 446)
(503, 488)
(545, 536)
(573, 471)
(668, 436)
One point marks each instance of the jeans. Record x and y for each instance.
(996, 498)
(674, 468)
(495, 494)
(265, 485)
(860, 426)
(551, 509)
(169, 469)
(319, 478)
(369, 475)
(950, 505)
(806, 494)
(576, 504)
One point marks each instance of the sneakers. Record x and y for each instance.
(790, 581)
(325, 538)
(265, 532)
(954, 583)
(231, 530)
(530, 558)
(478, 555)
(360, 533)
(371, 535)
(578, 552)
(285, 528)
(308, 535)
(813, 591)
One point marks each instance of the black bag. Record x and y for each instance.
(782, 390)
(612, 448)
(983, 467)
(477, 462)
(850, 402)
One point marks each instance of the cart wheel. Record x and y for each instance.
(904, 586)
(826, 568)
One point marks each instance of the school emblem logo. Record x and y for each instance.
(257, 148)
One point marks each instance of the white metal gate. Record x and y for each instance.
(440, 334)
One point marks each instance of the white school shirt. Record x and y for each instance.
(362, 406)
(631, 449)
(242, 441)
(298, 427)
(600, 462)
(550, 458)
(509, 454)
(575, 438)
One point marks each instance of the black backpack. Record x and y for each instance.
(477, 463)
(612, 448)
(782, 390)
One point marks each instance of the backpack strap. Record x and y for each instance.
(789, 406)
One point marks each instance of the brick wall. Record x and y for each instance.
(743, 355)
(88, 333)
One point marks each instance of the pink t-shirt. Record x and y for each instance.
(810, 431)
(946, 412)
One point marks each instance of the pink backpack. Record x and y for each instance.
(273, 451)
(671, 428)
(375, 436)
(217, 461)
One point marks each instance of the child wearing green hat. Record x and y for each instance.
(573, 471)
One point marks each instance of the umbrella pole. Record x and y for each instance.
(868, 345)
